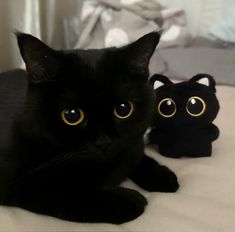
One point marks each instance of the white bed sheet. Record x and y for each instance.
(204, 202)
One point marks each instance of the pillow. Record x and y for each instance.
(225, 28)
(183, 63)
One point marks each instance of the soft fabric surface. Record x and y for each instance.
(107, 23)
(205, 201)
(182, 64)
(202, 14)
(225, 28)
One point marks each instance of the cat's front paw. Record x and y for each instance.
(162, 179)
(166, 180)
(124, 205)
(154, 177)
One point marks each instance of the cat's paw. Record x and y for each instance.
(154, 177)
(167, 180)
(124, 205)
(163, 180)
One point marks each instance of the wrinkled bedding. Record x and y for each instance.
(205, 201)
(107, 23)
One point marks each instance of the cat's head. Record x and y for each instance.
(91, 101)
(191, 102)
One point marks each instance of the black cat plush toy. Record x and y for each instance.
(182, 122)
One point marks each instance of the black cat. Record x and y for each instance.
(184, 112)
(71, 132)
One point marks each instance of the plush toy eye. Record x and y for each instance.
(195, 106)
(72, 116)
(123, 110)
(167, 107)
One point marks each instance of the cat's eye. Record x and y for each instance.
(123, 110)
(72, 116)
(195, 106)
(166, 107)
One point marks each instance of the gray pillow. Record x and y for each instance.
(183, 63)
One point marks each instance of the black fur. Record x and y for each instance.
(73, 172)
(183, 134)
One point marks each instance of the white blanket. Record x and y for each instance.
(204, 202)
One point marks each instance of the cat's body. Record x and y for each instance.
(72, 169)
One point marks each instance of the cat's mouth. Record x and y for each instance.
(96, 154)
(100, 153)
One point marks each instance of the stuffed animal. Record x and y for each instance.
(182, 121)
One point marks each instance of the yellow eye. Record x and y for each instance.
(166, 107)
(123, 110)
(195, 106)
(72, 116)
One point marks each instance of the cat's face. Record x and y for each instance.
(93, 101)
(189, 103)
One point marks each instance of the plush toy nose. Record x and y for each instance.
(103, 141)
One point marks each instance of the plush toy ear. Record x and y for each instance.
(137, 54)
(157, 80)
(40, 60)
(205, 79)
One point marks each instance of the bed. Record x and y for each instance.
(206, 198)
(205, 201)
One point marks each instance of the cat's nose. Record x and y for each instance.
(103, 141)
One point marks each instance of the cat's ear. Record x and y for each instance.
(205, 79)
(40, 60)
(137, 54)
(157, 80)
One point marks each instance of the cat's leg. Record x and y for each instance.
(154, 177)
(111, 205)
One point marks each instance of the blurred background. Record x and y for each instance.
(196, 31)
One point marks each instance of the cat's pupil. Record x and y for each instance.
(195, 106)
(123, 109)
(72, 115)
(167, 108)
